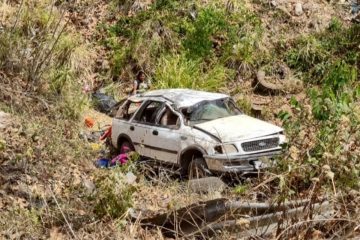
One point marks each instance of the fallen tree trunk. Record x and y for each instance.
(260, 208)
(202, 217)
(263, 223)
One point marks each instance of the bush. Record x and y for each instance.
(208, 24)
(309, 52)
(114, 195)
(316, 54)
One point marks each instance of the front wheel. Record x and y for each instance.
(198, 169)
(126, 147)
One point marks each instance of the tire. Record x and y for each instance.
(127, 144)
(198, 169)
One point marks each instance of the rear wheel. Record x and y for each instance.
(198, 169)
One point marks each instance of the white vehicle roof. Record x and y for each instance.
(180, 97)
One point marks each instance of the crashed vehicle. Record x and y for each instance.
(202, 133)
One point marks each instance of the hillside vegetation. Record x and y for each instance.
(52, 52)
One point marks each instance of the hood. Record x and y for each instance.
(238, 127)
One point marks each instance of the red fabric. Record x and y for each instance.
(106, 134)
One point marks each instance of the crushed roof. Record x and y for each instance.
(181, 97)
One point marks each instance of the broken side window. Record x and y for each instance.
(169, 119)
(127, 111)
(149, 112)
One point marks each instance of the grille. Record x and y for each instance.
(260, 144)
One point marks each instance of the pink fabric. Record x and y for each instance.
(121, 158)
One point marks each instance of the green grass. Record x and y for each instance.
(177, 71)
(186, 44)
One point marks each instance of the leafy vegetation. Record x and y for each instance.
(316, 55)
(114, 195)
(330, 60)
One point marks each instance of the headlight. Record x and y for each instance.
(225, 149)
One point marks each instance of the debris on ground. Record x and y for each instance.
(130, 178)
(120, 159)
(103, 103)
(89, 122)
(279, 79)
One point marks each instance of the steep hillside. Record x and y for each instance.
(294, 63)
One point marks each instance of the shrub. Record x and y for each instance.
(208, 23)
(309, 51)
(114, 195)
(316, 54)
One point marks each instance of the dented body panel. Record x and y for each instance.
(158, 129)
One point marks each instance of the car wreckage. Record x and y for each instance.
(202, 133)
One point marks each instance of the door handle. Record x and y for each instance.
(155, 132)
(132, 128)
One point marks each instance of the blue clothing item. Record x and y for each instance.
(102, 163)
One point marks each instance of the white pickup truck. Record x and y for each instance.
(200, 132)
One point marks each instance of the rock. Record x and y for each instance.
(274, 3)
(89, 186)
(298, 9)
(5, 120)
(208, 184)
(105, 65)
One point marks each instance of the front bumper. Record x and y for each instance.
(240, 163)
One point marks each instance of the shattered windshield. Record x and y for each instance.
(211, 110)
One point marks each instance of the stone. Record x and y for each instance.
(89, 186)
(274, 3)
(298, 9)
(5, 120)
(205, 185)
